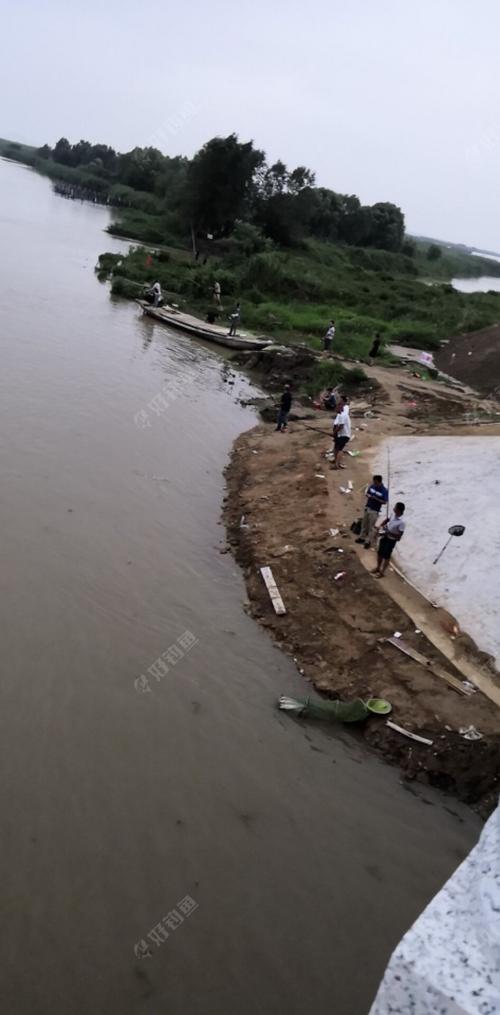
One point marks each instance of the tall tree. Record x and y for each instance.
(387, 227)
(220, 184)
(62, 152)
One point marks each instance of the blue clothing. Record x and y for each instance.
(376, 496)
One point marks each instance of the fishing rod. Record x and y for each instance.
(388, 477)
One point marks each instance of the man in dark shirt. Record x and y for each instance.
(329, 400)
(375, 347)
(285, 406)
(376, 496)
(234, 320)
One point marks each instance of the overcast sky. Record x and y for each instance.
(387, 99)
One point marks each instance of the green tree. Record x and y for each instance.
(63, 152)
(300, 179)
(433, 252)
(387, 226)
(409, 248)
(140, 168)
(220, 184)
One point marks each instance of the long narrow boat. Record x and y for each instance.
(200, 329)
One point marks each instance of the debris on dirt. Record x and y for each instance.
(285, 549)
(439, 671)
(272, 588)
(411, 736)
(470, 733)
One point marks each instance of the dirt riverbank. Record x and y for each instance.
(475, 359)
(335, 629)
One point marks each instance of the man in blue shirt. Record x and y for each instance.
(376, 496)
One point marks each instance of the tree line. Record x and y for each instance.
(226, 183)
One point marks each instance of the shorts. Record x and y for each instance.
(327, 344)
(340, 442)
(385, 547)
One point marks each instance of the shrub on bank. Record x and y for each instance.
(329, 374)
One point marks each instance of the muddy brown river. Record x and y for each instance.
(293, 859)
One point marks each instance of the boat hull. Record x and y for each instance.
(199, 329)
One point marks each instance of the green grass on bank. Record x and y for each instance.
(453, 263)
(16, 150)
(291, 296)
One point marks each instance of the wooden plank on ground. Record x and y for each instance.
(272, 588)
(435, 668)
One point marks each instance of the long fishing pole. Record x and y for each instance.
(388, 477)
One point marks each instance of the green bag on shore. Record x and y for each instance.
(339, 711)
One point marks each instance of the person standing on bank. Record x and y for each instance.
(235, 320)
(284, 409)
(217, 293)
(394, 528)
(329, 337)
(156, 291)
(376, 496)
(341, 431)
(375, 347)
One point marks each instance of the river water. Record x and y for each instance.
(304, 855)
(483, 284)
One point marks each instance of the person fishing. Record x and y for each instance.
(217, 293)
(284, 409)
(394, 529)
(376, 496)
(156, 293)
(234, 320)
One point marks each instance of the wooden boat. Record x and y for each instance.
(200, 329)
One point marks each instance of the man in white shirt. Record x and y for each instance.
(394, 528)
(341, 431)
(156, 290)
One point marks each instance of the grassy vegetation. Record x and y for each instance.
(291, 296)
(16, 150)
(287, 292)
(453, 263)
(329, 374)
